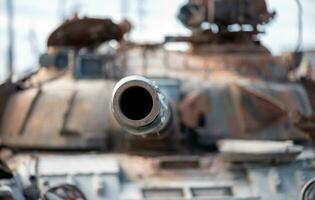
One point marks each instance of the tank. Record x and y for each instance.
(224, 119)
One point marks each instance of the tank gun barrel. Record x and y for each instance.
(139, 106)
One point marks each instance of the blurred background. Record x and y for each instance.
(34, 20)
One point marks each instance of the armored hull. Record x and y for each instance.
(223, 120)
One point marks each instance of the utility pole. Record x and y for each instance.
(10, 50)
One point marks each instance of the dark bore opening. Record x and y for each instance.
(136, 103)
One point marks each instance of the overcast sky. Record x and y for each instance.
(35, 19)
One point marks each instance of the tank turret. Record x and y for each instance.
(224, 119)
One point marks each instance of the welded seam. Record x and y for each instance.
(30, 112)
(67, 113)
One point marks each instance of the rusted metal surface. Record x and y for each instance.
(227, 86)
(85, 32)
(6, 90)
(51, 117)
(233, 24)
(205, 66)
(232, 96)
(304, 73)
(248, 110)
(225, 12)
(241, 95)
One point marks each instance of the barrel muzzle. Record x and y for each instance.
(139, 106)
